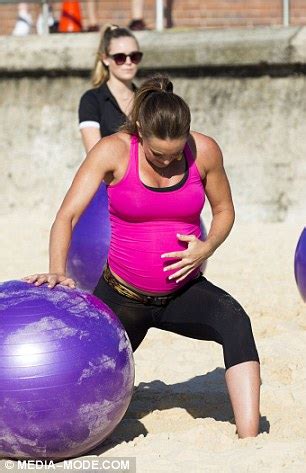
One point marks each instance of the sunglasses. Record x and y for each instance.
(120, 58)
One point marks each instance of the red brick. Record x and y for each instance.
(193, 13)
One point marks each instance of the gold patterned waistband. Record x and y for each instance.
(131, 294)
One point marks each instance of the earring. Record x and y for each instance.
(180, 157)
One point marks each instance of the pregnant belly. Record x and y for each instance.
(136, 257)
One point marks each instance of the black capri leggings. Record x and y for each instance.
(201, 311)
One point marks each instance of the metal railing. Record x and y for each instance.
(286, 12)
(159, 11)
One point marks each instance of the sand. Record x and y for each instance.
(180, 418)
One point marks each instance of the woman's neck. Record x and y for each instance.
(119, 88)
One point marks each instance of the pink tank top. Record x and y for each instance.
(144, 223)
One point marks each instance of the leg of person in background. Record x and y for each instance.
(92, 16)
(52, 23)
(168, 13)
(137, 22)
(23, 23)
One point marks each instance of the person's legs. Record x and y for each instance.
(137, 9)
(168, 13)
(243, 384)
(137, 22)
(92, 16)
(206, 312)
(24, 21)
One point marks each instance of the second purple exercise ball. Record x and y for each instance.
(90, 242)
(66, 371)
(300, 264)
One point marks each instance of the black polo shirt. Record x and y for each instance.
(98, 108)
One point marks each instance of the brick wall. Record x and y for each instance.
(185, 13)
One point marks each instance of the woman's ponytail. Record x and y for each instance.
(158, 112)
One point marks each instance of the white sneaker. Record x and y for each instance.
(23, 25)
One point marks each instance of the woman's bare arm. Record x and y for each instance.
(210, 165)
(90, 137)
(100, 162)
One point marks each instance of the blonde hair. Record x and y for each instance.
(100, 73)
(158, 111)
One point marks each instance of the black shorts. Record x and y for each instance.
(201, 310)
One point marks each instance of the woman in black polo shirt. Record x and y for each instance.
(104, 108)
(102, 111)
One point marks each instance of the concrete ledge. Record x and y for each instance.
(169, 49)
(257, 120)
(298, 46)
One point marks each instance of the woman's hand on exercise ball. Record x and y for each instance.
(51, 278)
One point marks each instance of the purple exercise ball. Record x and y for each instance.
(66, 371)
(90, 242)
(300, 264)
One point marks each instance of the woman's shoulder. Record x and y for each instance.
(116, 143)
(112, 151)
(203, 143)
(94, 93)
(204, 146)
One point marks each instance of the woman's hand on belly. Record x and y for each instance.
(190, 259)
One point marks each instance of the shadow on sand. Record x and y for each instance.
(202, 397)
